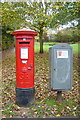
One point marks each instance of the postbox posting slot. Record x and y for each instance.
(24, 42)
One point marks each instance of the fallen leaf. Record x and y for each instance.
(58, 115)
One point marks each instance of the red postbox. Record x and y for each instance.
(24, 66)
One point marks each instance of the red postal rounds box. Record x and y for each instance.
(24, 66)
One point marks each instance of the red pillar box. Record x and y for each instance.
(24, 66)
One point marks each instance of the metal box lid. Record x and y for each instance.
(24, 31)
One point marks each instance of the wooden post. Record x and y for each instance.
(59, 96)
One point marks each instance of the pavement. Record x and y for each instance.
(6, 53)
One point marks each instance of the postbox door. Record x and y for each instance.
(62, 69)
(25, 64)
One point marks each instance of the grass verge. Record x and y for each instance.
(47, 45)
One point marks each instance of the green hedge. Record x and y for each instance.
(7, 38)
(68, 35)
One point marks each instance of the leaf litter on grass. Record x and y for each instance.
(45, 104)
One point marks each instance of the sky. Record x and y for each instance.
(68, 25)
(51, 31)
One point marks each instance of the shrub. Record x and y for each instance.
(68, 36)
(7, 38)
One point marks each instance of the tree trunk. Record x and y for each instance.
(41, 40)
